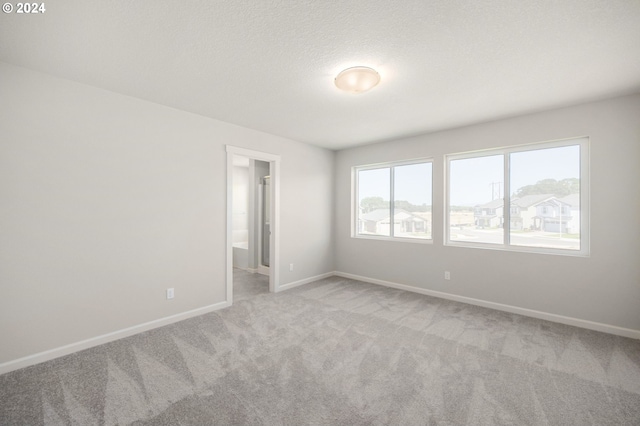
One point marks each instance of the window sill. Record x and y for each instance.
(519, 249)
(394, 239)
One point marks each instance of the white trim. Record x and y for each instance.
(274, 246)
(253, 206)
(590, 325)
(386, 164)
(250, 153)
(395, 239)
(229, 222)
(105, 338)
(306, 281)
(259, 211)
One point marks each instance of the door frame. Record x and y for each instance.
(274, 243)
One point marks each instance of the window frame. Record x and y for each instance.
(355, 207)
(584, 146)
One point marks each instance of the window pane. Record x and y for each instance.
(476, 193)
(412, 201)
(374, 190)
(545, 200)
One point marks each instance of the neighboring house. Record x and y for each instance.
(489, 215)
(542, 212)
(378, 222)
(524, 211)
(552, 216)
(573, 201)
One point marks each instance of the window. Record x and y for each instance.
(545, 186)
(393, 201)
(475, 188)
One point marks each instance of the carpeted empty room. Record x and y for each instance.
(338, 352)
(320, 213)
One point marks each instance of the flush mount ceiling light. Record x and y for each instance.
(357, 79)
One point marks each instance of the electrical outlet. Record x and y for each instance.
(169, 293)
(291, 267)
(447, 275)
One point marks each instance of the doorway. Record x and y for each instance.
(252, 221)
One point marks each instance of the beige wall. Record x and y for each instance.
(108, 200)
(603, 288)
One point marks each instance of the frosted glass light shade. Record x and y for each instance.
(357, 79)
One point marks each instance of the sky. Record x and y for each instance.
(412, 183)
(472, 180)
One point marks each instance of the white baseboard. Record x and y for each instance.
(105, 338)
(591, 325)
(109, 337)
(305, 281)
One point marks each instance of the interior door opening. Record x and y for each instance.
(252, 190)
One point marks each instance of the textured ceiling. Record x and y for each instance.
(269, 65)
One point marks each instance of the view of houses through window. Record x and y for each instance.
(543, 183)
(528, 196)
(476, 199)
(398, 194)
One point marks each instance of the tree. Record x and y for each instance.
(370, 204)
(407, 206)
(560, 188)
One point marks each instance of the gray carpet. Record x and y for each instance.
(338, 352)
(247, 285)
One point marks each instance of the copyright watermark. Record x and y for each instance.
(24, 8)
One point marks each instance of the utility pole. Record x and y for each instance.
(495, 194)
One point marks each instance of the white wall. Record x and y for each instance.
(603, 288)
(108, 200)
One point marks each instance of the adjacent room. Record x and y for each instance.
(286, 212)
